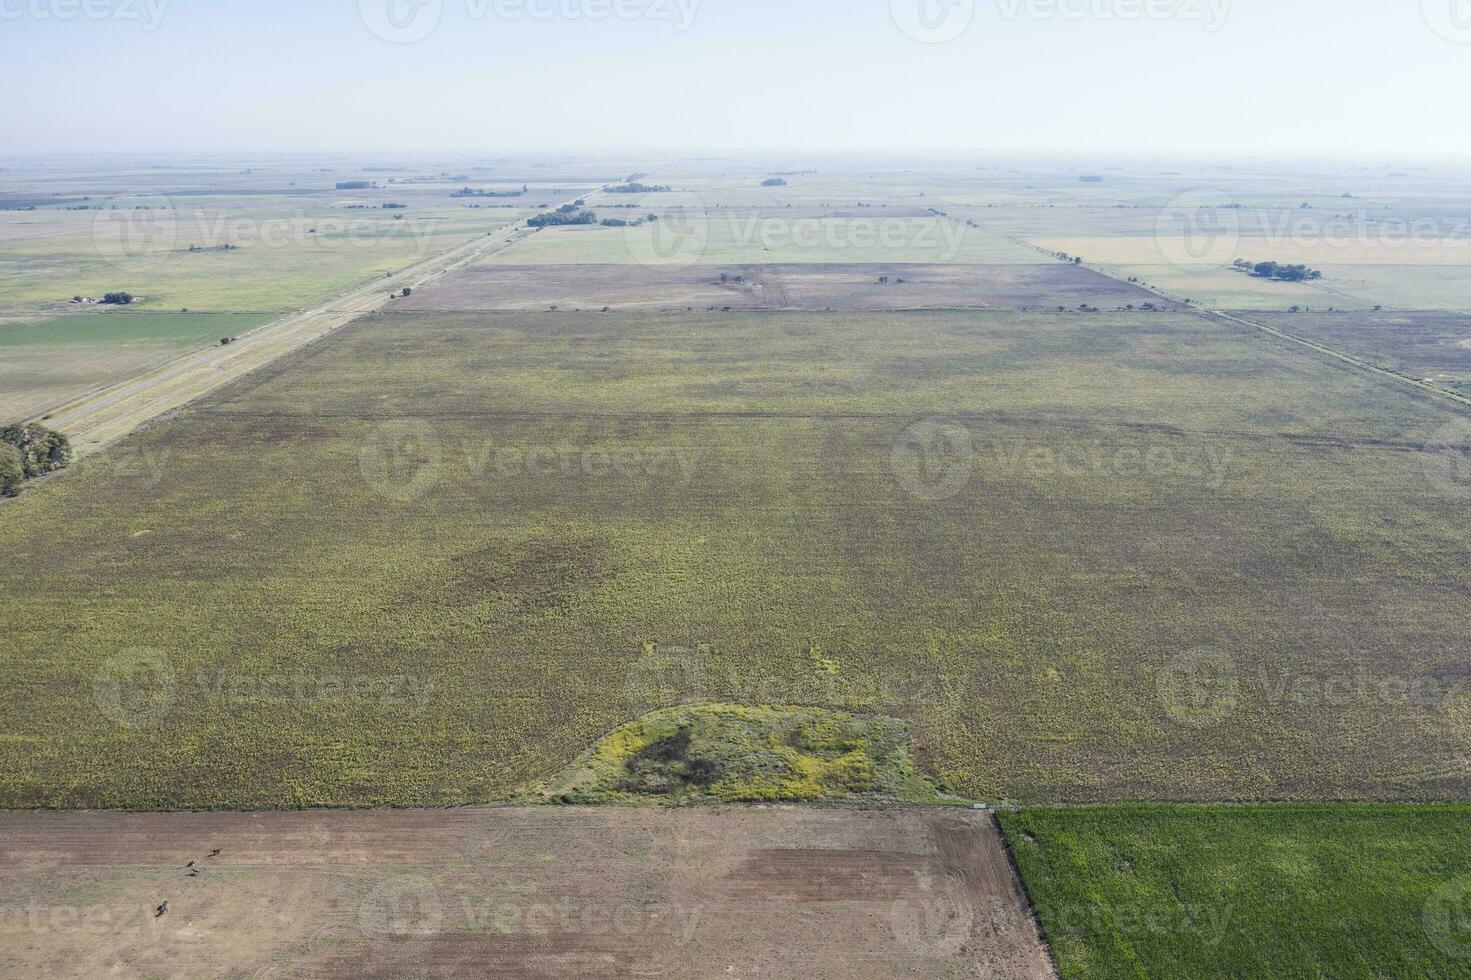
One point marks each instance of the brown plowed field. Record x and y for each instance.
(754, 892)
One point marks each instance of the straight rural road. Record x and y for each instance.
(102, 418)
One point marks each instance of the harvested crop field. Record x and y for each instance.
(433, 558)
(542, 892)
(877, 286)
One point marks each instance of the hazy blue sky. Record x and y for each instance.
(1384, 79)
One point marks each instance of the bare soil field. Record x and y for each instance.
(867, 286)
(515, 893)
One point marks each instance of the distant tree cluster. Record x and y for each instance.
(773, 182)
(1278, 271)
(561, 217)
(29, 450)
(633, 187)
(117, 299)
(474, 192)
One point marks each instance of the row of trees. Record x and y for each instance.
(29, 450)
(562, 217)
(473, 192)
(637, 188)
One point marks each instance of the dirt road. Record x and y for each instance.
(102, 418)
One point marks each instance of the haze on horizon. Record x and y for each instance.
(1358, 79)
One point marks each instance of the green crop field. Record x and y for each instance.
(1197, 893)
(432, 558)
(46, 362)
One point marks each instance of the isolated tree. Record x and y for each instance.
(408, 291)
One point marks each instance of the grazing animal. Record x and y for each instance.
(158, 912)
(215, 853)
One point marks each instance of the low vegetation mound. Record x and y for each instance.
(721, 753)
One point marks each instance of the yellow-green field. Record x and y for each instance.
(433, 558)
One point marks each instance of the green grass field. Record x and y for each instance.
(426, 560)
(1197, 893)
(46, 362)
(95, 332)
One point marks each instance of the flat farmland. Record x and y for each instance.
(1197, 893)
(801, 286)
(50, 361)
(1433, 346)
(692, 231)
(433, 558)
(852, 893)
(284, 254)
(1363, 264)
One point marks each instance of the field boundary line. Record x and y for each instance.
(1332, 352)
(1342, 356)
